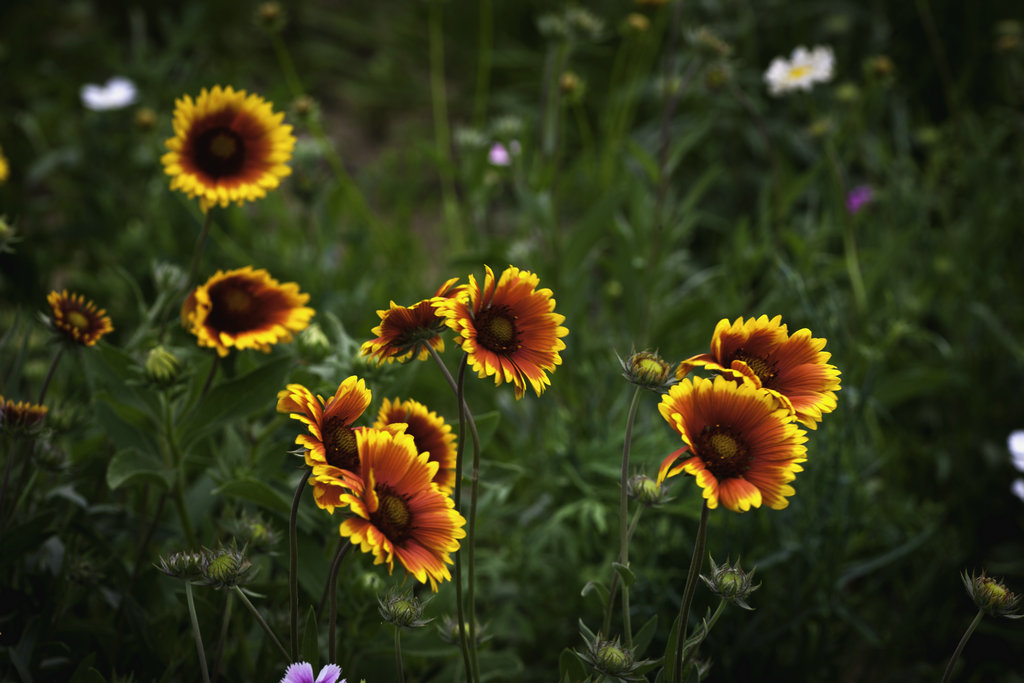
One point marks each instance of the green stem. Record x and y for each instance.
(339, 554)
(691, 586)
(471, 540)
(209, 378)
(332, 579)
(217, 658)
(284, 59)
(179, 503)
(849, 238)
(197, 252)
(700, 637)
(442, 134)
(627, 629)
(460, 448)
(960, 646)
(263, 623)
(483, 62)
(398, 654)
(293, 568)
(49, 374)
(195, 632)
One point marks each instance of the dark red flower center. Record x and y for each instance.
(723, 451)
(219, 152)
(764, 368)
(340, 448)
(496, 330)
(235, 306)
(393, 516)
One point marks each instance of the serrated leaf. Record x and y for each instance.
(131, 465)
(625, 573)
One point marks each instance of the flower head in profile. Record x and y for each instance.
(741, 446)
(508, 328)
(992, 596)
(405, 331)
(20, 415)
(77, 319)
(245, 309)
(117, 93)
(430, 433)
(228, 146)
(801, 71)
(330, 441)
(302, 672)
(399, 512)
(762, 353)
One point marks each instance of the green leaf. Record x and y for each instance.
(595, 587)
(257, 492)
(486, 425)
(130, 465)
(309, 649)
(570, 668)
(643, 637)
(625, 573)
(237, 398)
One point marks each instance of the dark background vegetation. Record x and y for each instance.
(907, 484)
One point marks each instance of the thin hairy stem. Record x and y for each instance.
(460, 448)
(293, 569)
(262, 622)
(49, 374)
(332, 581)
(398, 655)
(960, 646)
(691, 586)
(200, 651)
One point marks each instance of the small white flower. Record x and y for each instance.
(804, 69)
(118, 93)
(1016, 445)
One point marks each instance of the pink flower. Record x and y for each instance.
(302, 672)
(502, 156)
(859, 197)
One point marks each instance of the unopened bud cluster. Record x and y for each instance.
(224, 567)
(730, 582)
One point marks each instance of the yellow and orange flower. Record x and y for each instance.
(228, 146)
(245, 309)
(399, 512)
(762, 353)
(21, 414)
(508, 328)
(430, 433)
(77, 319)
(331, 439)
(744, 447)
(405, 331)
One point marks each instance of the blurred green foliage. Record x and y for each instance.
(659, 192)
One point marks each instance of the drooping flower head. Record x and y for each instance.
(404, 332)
(430, 433)
(302, 672)
(245, 309)
(77, 319)
(228, 146)
(744, 448)
(400, 514)
(801, 71)
(508, 328)
(762, 353)
(330, 441)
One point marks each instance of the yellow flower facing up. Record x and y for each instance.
(399, 512)
(762, 353)
(245, 309)
(405, 331)
(228, 146)
(744, 448)
(330, 441)
(431, 434)
(77, 319)
(508, 328)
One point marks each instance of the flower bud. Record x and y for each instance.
(223, 567)
(162, 367)
(145, 119)
(647, 491)
(647, 369)
(184, 565)
(402, 609)
(313, 343)
(449, 631)
(731, 583)
(609, 657)
(992, 597)
(636, 23)
(271, 16)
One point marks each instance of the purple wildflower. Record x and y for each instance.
(859, 197)
(302, 672)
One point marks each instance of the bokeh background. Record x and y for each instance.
(657, 189)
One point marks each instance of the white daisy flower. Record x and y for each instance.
(118, 93)
(803, 69)
(1015, 443)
